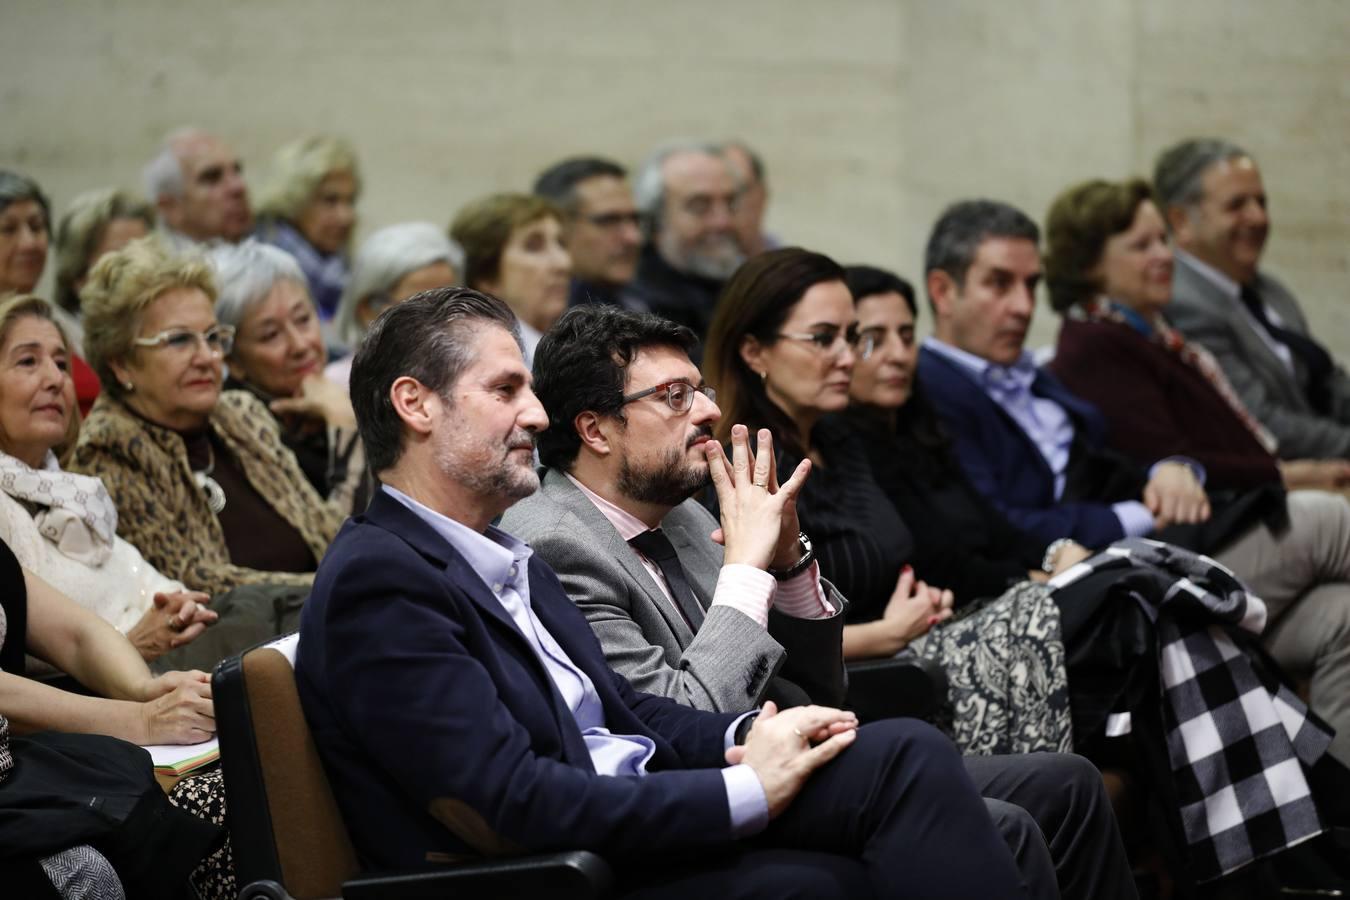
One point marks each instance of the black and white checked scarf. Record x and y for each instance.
(1238, 739)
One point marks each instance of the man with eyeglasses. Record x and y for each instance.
(430, 628)
(723, 616)
(600, 228)
(715, 627)
(688, 196)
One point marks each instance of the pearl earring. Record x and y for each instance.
(129, 386)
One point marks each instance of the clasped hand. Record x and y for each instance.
(177, 708)
(784, 748)
(759, 517)
(173, 620)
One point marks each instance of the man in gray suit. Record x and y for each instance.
(728, 626)
(1212, 197)
(739, 629)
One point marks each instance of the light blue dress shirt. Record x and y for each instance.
(1044, 421)
(502, 561)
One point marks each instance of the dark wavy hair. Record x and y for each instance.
(581, 365)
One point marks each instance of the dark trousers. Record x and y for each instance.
(1053, 812)
(894, 815)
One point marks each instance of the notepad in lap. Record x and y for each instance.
(180, 759)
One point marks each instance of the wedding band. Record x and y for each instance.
(798, 733)
(760, 484)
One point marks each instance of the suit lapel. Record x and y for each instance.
(958, 382)
(1255, 351)
(394, 517)
(559, 488)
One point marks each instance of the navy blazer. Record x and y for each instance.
(1005, 465)
(422, 694)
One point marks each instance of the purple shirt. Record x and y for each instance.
(502, 561)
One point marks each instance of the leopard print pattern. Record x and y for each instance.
(163, 513)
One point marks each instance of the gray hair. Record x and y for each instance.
(963, 226)
(163, 175)
(246, 274)
(1180, 168)
(15, 187)
(298, 169)
(649, 184)
(80, 229)
(382, 262)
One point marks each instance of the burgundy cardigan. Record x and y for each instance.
(1156, 405)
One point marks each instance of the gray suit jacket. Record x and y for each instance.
(1204, 314)
(731, 662)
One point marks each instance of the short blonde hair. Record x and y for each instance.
(20, 306)
(484, 226)
(80, 230)
(120, 288)
(297, 170)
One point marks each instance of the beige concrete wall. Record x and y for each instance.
(871, 114)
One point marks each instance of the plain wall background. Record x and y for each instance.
(870, 115)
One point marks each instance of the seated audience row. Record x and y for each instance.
(990, 478)
(524, 731)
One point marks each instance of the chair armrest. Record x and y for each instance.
(571, 875)
(902, 685)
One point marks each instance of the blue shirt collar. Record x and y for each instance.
(492, 554)
(1016, 378)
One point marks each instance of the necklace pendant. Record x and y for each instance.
(215, 494)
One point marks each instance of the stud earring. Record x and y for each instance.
(129, 386)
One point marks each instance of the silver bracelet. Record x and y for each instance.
(1052, 553)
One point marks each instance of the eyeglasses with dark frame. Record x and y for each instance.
(218, 341)
(828, 340)
(679, 395)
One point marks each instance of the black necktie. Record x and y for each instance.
(1316, 360)
(657, 547)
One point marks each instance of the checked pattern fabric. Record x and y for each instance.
(1238, 739)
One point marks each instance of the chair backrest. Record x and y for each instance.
(284, 822)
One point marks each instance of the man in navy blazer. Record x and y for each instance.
(462, 705)
(1025, 441)
(1039, 453)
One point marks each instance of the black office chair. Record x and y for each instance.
(289, 839)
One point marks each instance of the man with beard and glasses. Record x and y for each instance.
(429, 628)
(721, 616)
(624, 455)
(687, 195)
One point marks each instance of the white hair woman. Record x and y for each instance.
(393, 264)
(308, 209)
(278, 356)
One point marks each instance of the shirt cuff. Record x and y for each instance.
(802, 597)
(745, 798)
(1194, 465)
(1135, 519)
(747, 590)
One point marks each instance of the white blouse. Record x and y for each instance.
(119, 591)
